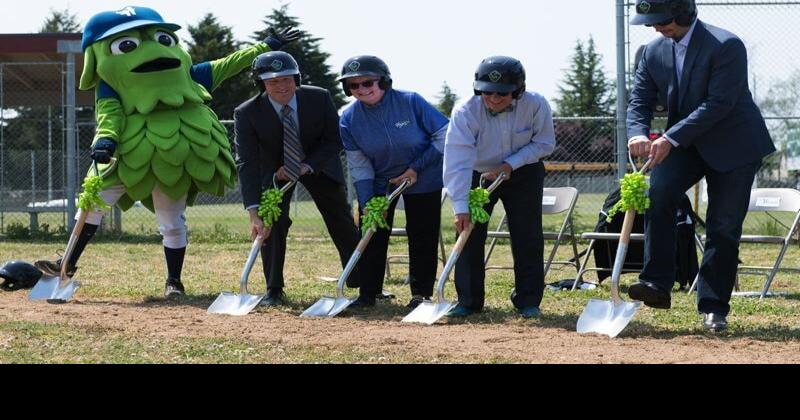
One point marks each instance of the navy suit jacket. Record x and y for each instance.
(259, 140)
(713, 110)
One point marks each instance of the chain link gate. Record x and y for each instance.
(32, 170)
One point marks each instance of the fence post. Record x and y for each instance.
(70, 48)
(622, 102)
(2, 151)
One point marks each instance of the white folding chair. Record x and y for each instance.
(554, 201)
(769, 201)
(403, 259)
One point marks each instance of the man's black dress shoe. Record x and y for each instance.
(714, 322)
(650, 295)
(274, 298)
(362, 302)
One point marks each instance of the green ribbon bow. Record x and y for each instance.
(478, 198)
(270, 208)
(633, 192)
(90, 197)
(373, 214)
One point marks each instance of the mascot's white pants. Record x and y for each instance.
(170, 214)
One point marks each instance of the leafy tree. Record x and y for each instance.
(307, 52)
(447, 100)
(61, 21)
(586, 91)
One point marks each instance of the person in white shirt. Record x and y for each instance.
(502, 129)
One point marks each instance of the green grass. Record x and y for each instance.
(229, 222)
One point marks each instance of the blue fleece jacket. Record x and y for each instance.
(383, 141)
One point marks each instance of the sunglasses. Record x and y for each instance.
(368, 84)
(500, 94)
(664, 23)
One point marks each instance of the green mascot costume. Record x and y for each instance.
(152, 117)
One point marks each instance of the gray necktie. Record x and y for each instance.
(292, 149)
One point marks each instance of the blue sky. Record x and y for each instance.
(424, 42)
(428, 42)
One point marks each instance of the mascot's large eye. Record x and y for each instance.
(124, 45)
(165, 39)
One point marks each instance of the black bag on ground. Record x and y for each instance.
(605, 252)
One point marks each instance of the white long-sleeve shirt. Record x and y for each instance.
(479, 141)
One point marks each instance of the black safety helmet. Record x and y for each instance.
(19, 275)
(500, 74)
(274, 64)
(365, 65)
(652, 12)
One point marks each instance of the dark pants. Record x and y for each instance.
(331, 200)
(728, 200)
(422, 226)
(522, 200)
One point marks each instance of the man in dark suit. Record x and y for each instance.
(714, 130)
(292, 132)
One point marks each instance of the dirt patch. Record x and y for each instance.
(542, 341)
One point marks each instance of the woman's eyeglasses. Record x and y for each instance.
(500, 94)
(368, 84)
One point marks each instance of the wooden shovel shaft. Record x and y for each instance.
(362, 245)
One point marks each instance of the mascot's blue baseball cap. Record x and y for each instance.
(106, 24)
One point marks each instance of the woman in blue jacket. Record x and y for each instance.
(389, 136)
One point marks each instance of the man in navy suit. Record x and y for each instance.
(714, 130)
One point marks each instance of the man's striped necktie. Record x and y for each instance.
(292, 149)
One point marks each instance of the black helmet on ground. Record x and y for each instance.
(500, 74)
(18, 275)
(272, 65)
(664, 12)
(365, 65)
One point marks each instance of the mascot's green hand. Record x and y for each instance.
(478, 198)
(633, 192)
(90, 197)
(270, 209)
(373, 214)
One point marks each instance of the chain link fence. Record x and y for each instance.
(32, 140)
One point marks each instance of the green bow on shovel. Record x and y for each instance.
(633, 193)
(373, 217)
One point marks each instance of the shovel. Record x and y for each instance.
(329, 307)
(229, 303)
(58, 290)
(611, 317)
(429, 312)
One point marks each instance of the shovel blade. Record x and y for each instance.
(49, 289)
(327, 307)
(429, 312)
(234, 305)
(604, 317)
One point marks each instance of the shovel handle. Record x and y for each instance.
(365, 240)
(73, 240)
(251, 259)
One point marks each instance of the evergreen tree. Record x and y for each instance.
(447, 100)
(210, 41)
(61, 21)
(306, 50)
(586, 91)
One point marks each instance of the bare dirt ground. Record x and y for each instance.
(550, 340)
